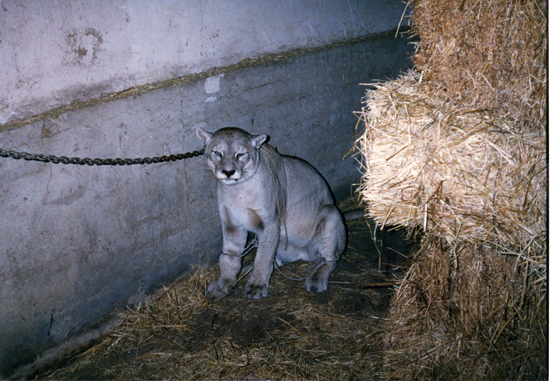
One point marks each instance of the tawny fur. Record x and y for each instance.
(282, 199)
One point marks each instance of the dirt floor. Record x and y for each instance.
(290, 335)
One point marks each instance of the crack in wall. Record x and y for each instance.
(146, 88)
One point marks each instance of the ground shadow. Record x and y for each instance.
(291, 334)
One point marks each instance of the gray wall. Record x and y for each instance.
(78, 243)
(57, 51)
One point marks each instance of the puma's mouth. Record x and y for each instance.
(229, 181)
(232, 177)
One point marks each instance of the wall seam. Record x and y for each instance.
(149, 87)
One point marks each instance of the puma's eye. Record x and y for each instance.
(217, 153)
(239, 155)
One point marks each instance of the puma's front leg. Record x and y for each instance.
(258, 284)
(229, 263)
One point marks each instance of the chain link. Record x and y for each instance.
(88, 161)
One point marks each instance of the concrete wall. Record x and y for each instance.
(79, 243)
(57, 51)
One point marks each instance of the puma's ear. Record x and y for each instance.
(204, 135)
(258, 140)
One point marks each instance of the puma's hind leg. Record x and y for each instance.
(329, 243)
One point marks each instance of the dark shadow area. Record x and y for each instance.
(291, 334)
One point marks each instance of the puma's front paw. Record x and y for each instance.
(215, 291)
(255, 291)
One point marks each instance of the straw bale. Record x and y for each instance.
(486, 54)
(466, 313)
(457, 149)
(460, 174)
(473, 305)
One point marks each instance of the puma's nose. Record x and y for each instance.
(228, 173)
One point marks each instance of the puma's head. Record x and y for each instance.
(231, 153)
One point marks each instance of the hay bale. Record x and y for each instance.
(466, 313)
(486, 54)
(461, 174)
(457, 149)
(476, 185)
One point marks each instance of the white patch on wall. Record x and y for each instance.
(212, 84)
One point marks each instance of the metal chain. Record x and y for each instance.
(88, 161)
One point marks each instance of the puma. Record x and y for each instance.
(282, 199)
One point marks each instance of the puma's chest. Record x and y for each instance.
(245, 207)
